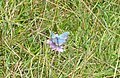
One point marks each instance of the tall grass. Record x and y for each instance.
(92, 49)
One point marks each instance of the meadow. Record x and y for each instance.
(92, 49)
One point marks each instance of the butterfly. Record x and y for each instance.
(59, 39)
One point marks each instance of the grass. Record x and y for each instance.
(92, 49)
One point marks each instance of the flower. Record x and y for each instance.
(55, 47)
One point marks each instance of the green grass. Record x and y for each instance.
(92, 49)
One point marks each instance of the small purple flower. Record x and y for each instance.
(55, 47)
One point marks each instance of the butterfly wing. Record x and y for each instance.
(64, 35)
(61, 38)
(52, 35)
(54, 38)
(60, 41)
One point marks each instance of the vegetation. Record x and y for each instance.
(92, 49)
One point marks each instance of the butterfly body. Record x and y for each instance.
(59, 39)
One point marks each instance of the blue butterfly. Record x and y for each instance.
(59, 39)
